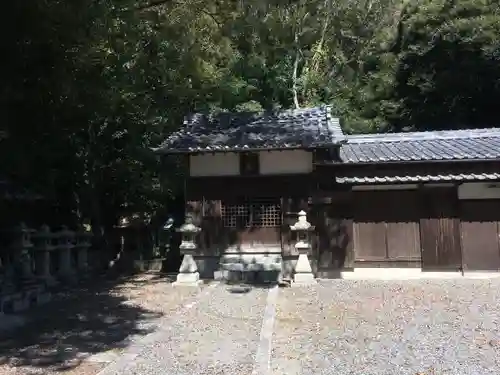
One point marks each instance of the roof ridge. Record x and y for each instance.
(333, 123)
(424, 135)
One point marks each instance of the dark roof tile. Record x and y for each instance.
(299, 128)
(422, 146)
(418, 178)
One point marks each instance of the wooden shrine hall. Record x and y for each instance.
(412, 203)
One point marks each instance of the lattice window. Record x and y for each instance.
(260, 213)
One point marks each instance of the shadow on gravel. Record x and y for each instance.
(88, 319)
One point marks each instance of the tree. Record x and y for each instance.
(447, 65)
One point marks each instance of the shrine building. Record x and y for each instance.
(380, 204)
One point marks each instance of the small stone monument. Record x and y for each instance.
(43, 248)
(83, 243)
(65, 246)
(188, 271)
(303, 272)
(22, 250)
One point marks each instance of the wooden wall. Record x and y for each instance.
(424, 227)
(333, 242)
(386, 228)
(218, 234)
(440, 230)
(427, 227)
(480, 234)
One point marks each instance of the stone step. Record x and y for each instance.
(259, 277)
(251, 268)
(251, 262)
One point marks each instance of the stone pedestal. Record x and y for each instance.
(64, 262)
(82, 259)
(43, 264)
(303, 272)
(26, 265)
(188, 271)
(21, 249)
(64, 248)
(83, 243)
(42, 251)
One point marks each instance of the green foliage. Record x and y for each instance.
(448, 65)
(88, 88)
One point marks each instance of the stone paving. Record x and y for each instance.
(432, 327)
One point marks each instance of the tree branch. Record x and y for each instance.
(295, 72)
(156, 3)
(152, 4)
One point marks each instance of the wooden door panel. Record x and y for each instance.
(440, 230)
(370, 243)
(403, 228)
(480, 235)
(403, 241)
(429, 242)
(334, 235)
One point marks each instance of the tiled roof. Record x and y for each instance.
(299, 128)
(422, 146)
(418, 178)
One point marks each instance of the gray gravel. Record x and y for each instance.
(219, 335)
(412, 327)
(339, 327)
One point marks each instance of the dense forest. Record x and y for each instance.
(87, 87)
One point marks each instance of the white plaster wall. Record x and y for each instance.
(219, 164)
(479, 190)
(285, 162)
(271, 163)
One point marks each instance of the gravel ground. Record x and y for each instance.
(339, 327)
(414, 327)
(220, 335)
(85, 328)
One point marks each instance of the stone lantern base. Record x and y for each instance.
(188, 272)
(188, 279)
(303, 272)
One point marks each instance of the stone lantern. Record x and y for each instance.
(22, 249)
(64, 246)
(83, 243)
(43, 248)
(188, 271)
(303, 272)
